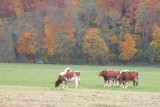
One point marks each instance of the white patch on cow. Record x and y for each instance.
(64, 72)
(68, 68)
(123, 71)
(75, 79)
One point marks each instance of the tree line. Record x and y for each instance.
(80, 31)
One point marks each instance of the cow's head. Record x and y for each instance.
(59, 81)
(101, 73)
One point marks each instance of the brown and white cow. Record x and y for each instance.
(109, 75)
(68, 77)
(127, 76)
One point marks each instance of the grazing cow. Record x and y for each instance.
(127, 76)
(109, 75)
(68, 77)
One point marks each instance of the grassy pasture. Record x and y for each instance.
(45, 75)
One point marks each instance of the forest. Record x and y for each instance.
(96, 32)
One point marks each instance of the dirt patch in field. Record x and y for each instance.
(44, 97)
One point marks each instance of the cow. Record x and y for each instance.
(127, 76)
(109, 75)
(73, 76)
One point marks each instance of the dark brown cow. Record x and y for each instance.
(127, 76)
(109, 75)
(68, 77)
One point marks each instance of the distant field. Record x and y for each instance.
(45, 75)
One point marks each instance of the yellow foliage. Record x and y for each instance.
(137, 40)
(113, 39)
(137, 28)
(94, 46)
(156, 39)
(18, 8)
(144, 2)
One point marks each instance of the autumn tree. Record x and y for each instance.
(156, 40)
(144, 17)
(127, 48)
(49, 38)
(18, 7)
(26, 44)
(95, 47)
(113, 44)
(66, 40)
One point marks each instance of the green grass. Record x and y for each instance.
(45, 75)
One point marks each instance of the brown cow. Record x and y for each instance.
(127, 76)
(68, 77)
(109, 75)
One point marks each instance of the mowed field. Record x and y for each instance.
(32, 85)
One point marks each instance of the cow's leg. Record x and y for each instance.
(113, 82)
(126, 85)
(117, 83)
(77, 82)
(105, 83)
(123, 84)
(66, 84)
(136, 82)
(108, 82)
(63, 83)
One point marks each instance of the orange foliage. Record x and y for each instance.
(49, 39)
(76, 3)
(26, 44)
(127, 47)
(53, 31)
